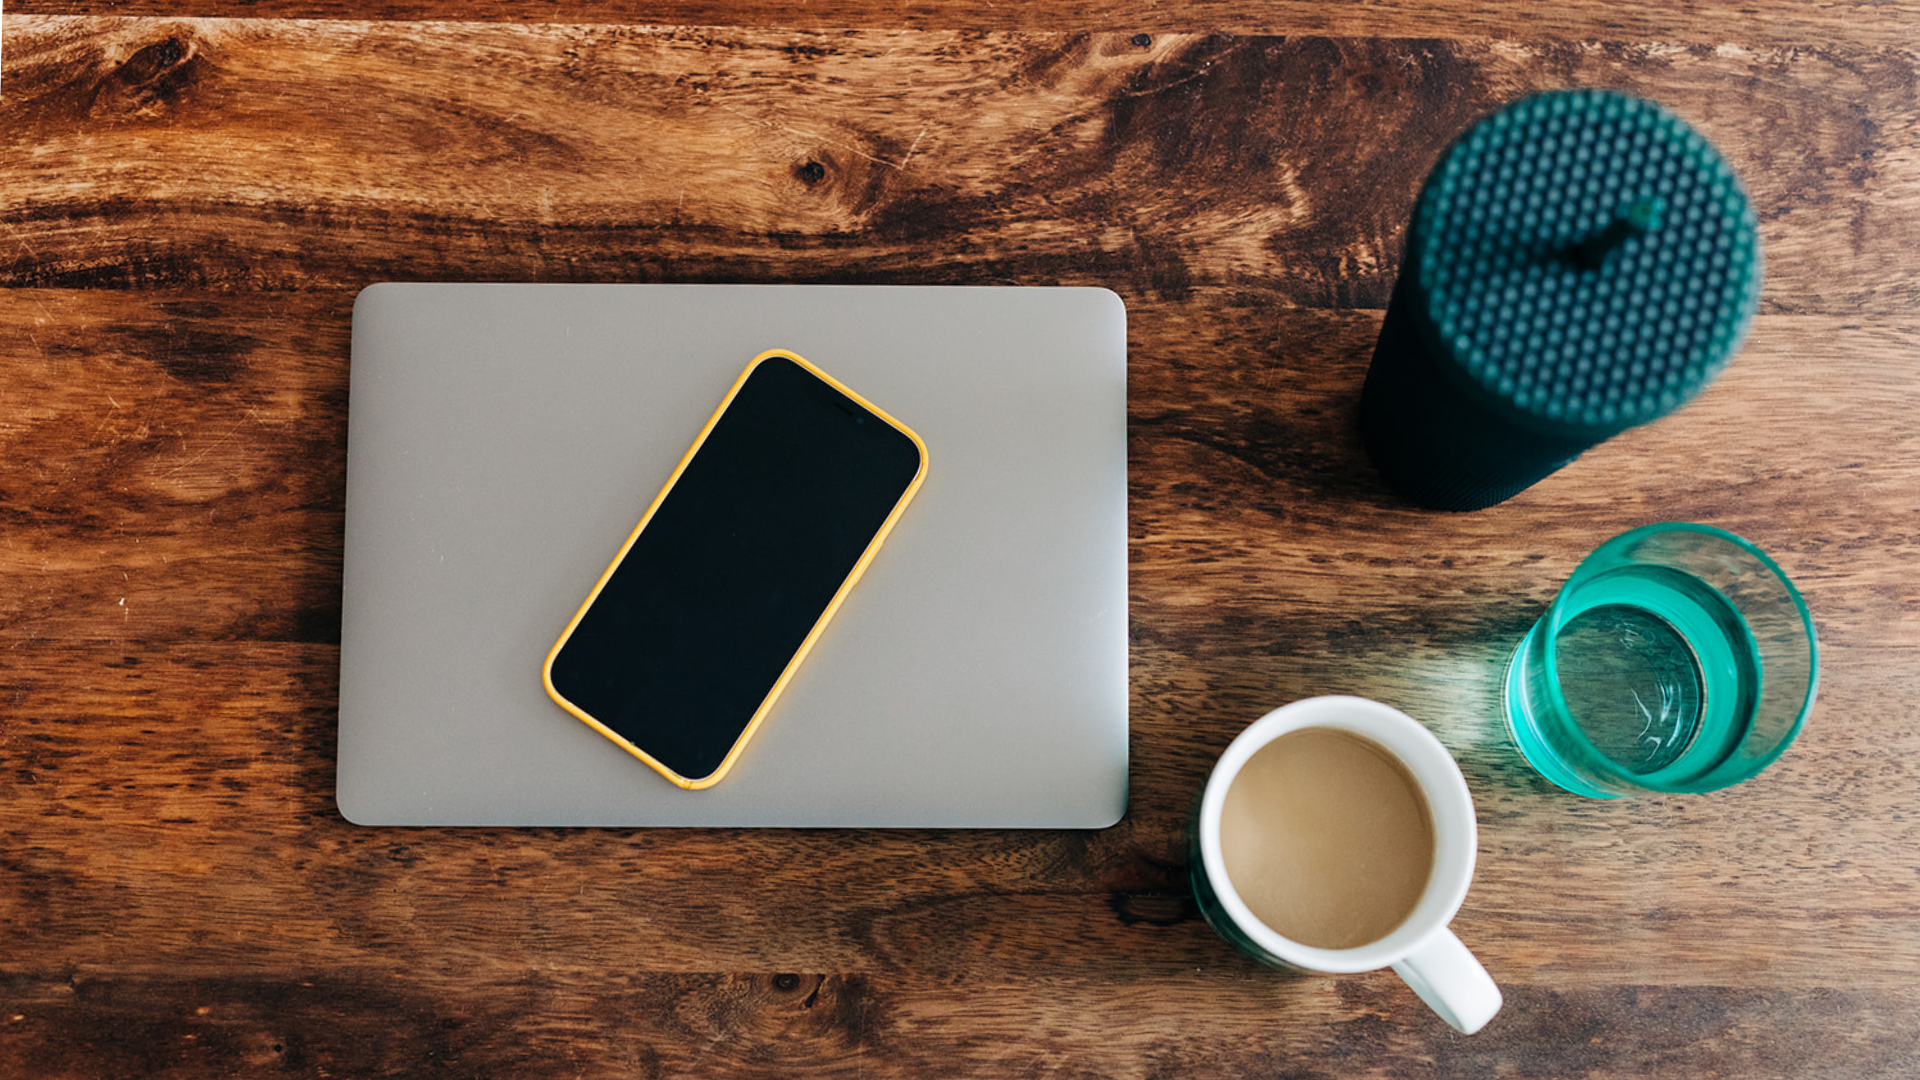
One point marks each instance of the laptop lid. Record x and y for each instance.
(504, 439)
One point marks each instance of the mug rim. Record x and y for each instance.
(1441, 784)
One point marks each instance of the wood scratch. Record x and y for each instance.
(1203, 70)
(914, 147)
(772, 126)
(1175, 84)
(215, 445)
(104, 421)
(21, 240)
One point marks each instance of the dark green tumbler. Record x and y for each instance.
(1579, 263)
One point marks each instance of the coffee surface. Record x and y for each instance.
(1327, 838)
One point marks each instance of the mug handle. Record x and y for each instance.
(1451, 982)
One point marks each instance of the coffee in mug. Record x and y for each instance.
(1337, 835)
(1326, 837)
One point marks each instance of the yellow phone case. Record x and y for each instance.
(813, 635)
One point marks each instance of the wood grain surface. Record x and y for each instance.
(1796, 23)
(188, 206)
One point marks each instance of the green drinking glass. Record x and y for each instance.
(1677, 658)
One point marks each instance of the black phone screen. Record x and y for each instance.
(693, 628)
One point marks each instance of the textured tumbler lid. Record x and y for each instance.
(1585, 260)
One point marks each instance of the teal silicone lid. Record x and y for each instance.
(1585, 260)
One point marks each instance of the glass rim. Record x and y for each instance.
(1618, 776)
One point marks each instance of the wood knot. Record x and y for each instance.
(155, 75)
(811, 173)
(786, 983)
(154, 60)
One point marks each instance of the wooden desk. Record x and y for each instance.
(189, 206)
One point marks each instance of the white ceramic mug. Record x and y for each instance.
(1421, 949)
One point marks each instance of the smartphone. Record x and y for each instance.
(687, 639)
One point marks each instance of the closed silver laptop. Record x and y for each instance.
(504, 439)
